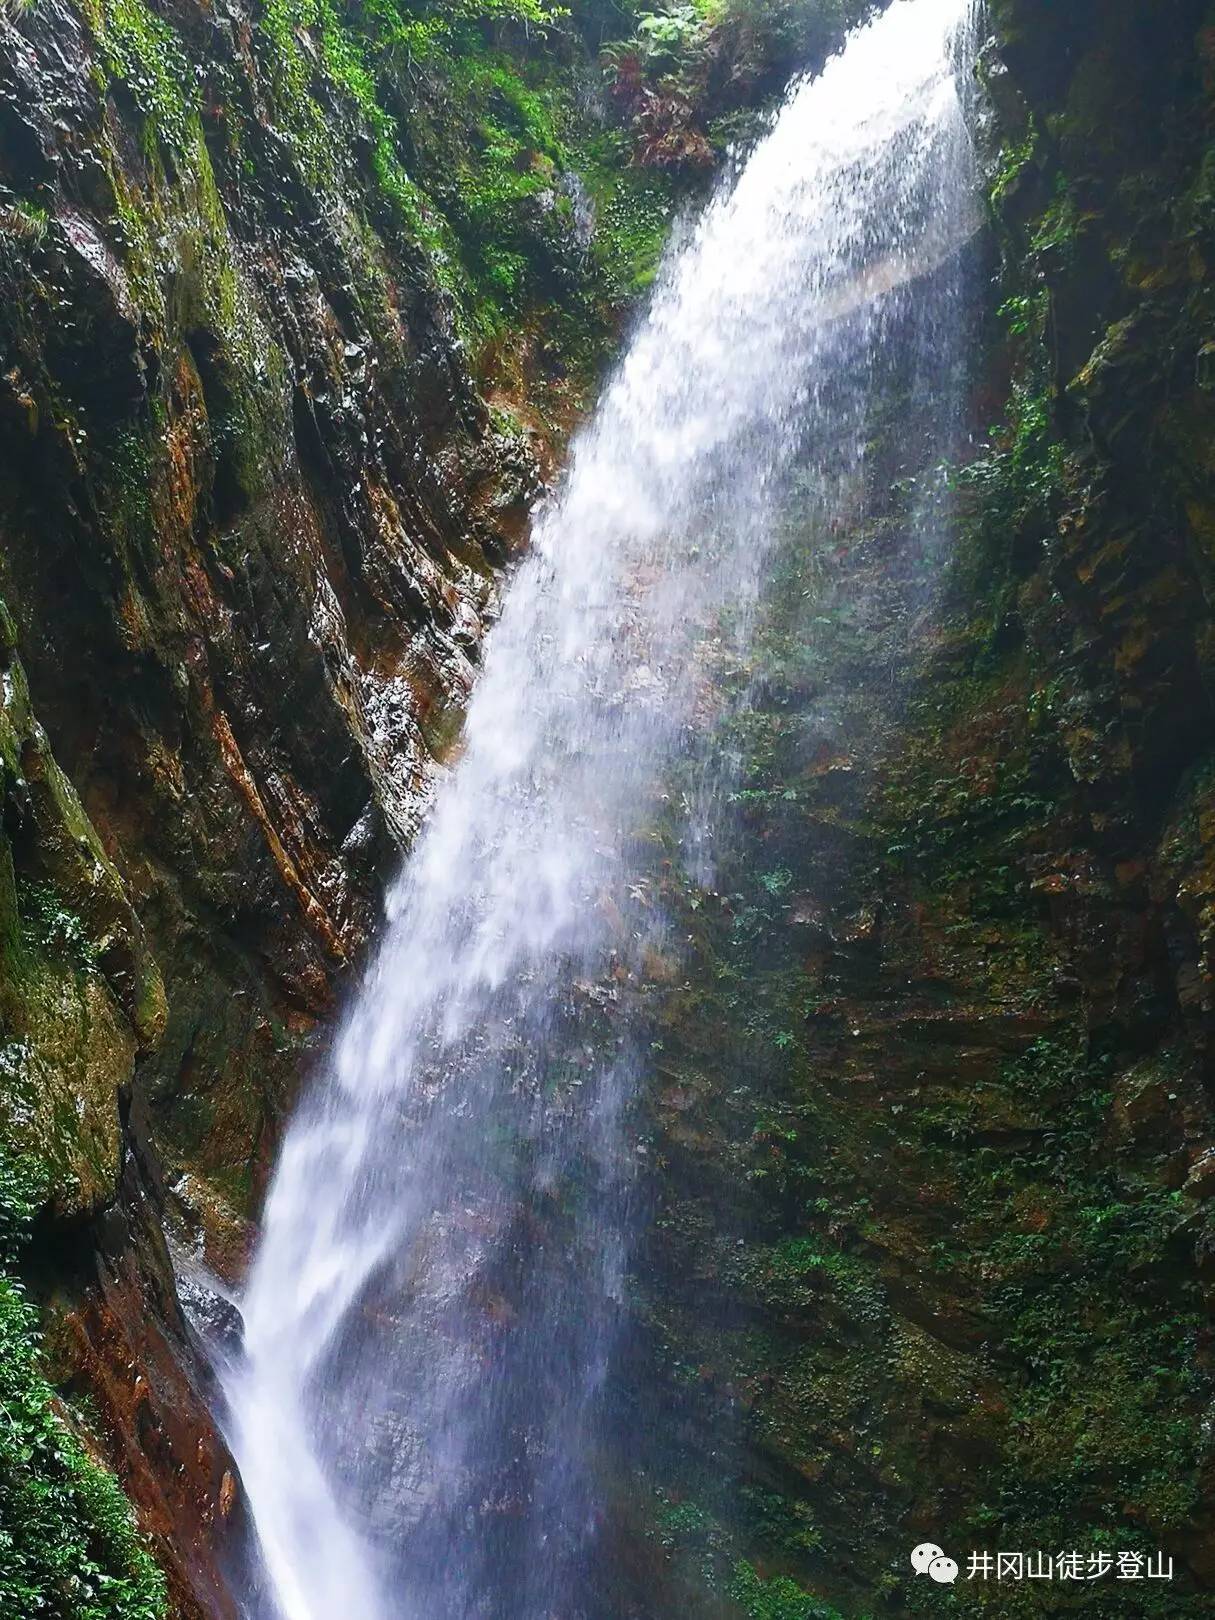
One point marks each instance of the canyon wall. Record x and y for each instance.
(252, 511)
(938, 1252)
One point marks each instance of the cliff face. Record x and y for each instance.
(959, 976)
(248, 532)
(251, 509)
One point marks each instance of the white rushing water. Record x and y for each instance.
(440, 1288)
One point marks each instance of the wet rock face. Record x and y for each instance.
(1105, 206)
(932, 1256)
(250, 514)
(116, 1336)
(250, 510)
(80, 992)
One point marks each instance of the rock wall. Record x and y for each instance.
(251, 510)
(933, 1241)
(255, 494)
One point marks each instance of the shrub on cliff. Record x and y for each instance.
(693, 75)
(68, 1547)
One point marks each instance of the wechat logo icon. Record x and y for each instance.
(929, 1559)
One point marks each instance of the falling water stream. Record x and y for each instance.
(441, 1288)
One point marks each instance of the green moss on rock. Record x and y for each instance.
(68, 1544)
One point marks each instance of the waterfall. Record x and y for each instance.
(441, 1288)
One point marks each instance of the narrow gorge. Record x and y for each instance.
(607, 856)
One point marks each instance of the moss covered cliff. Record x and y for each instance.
(958, 976)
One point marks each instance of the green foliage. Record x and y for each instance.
(781, 1522)
(778, 881)
(52, 928)
(68, 1547)
(473, 176)
(28, 222)
(672, 33)
(1014, 159)
(801, 1273)
(777, 1599)
(511, 219)
(22, 1189)
(1056, 230)
(417, 30)
(691, 75)
(1012, 494)
(633, 208)
(344, 59)
(1018, 482)
(144, 53)
(681, 1522)
(1073, 1262)
(964, 803)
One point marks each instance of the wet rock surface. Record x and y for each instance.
(250, 517)
(256, 495)
(116, 1335)
(932, 1248)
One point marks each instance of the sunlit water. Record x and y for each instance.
(440, 1290)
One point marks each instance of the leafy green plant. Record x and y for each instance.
(25, 221)
(145, 54)
(666, 35)
(415, 30)
(68, 1547)
(777, 1599)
